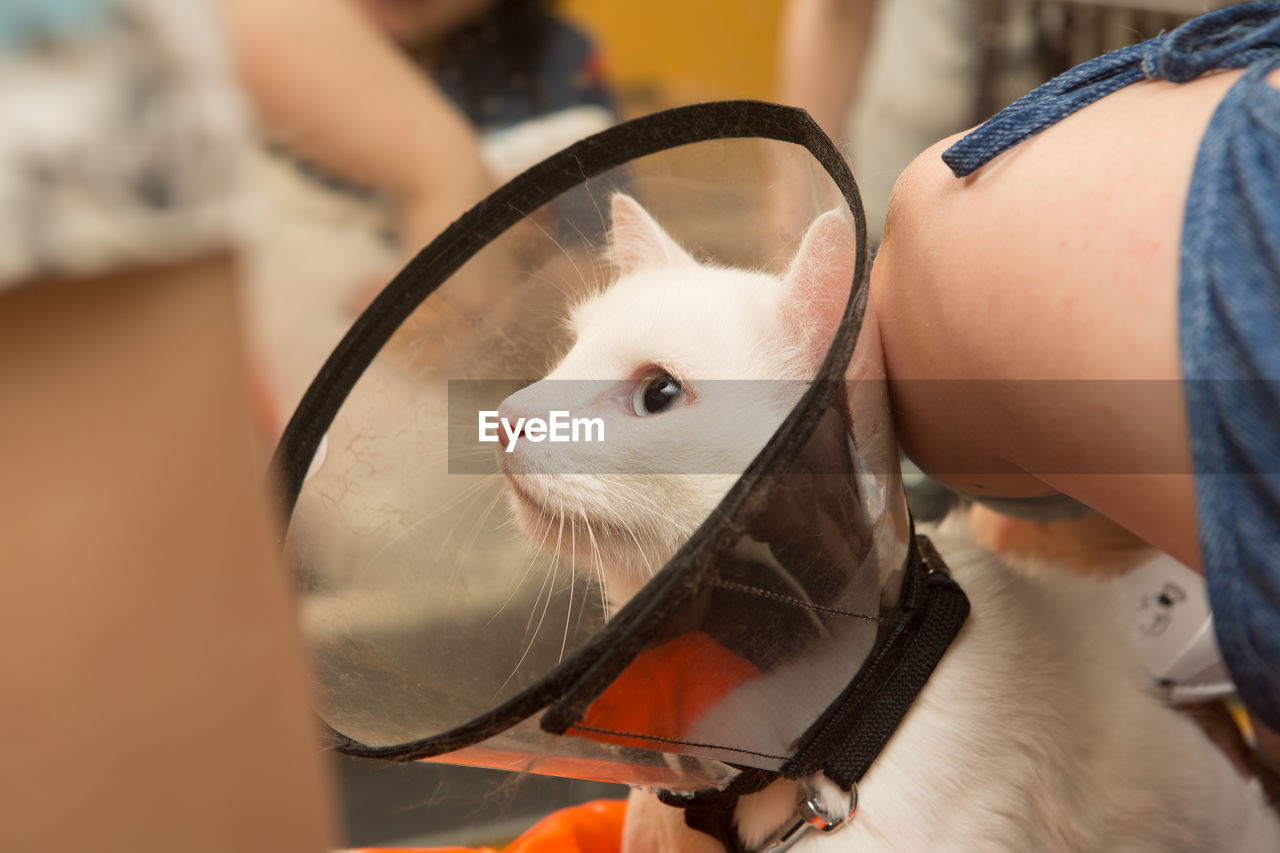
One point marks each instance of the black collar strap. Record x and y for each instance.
(712, 812)
(844, 741)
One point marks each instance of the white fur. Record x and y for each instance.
(1037, 731)
(603, 503)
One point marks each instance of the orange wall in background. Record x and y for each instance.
(661, 53)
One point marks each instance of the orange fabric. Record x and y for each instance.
(660, 694)
(665, 690)
(594, 827)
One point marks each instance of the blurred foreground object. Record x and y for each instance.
(150, 659)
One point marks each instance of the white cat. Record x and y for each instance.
(665, 320)
(1037, 732)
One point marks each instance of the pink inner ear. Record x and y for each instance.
(818, 284)
(636, 240)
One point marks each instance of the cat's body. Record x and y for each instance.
(1037, 732)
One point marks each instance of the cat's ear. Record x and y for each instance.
(817, 284)
(636, 240)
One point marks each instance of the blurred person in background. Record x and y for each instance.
(153, 673)
(888, 78)
(435, 143)
(154, 689)
(330, 90)
(504, 63)
(384, 122)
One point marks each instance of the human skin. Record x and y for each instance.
(421, 25)
(331, 88)
(155, 688)
(822, 47)
(1056, 261)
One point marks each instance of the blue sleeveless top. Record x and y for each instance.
(1229, 307)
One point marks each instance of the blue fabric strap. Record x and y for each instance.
(1229, 335)
(1228, 38)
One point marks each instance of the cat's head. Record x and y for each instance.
(690, 368)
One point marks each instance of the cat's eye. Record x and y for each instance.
(656, 393)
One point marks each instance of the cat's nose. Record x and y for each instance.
(510, 425)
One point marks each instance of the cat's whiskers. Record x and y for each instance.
(469, 493)
(432, 455)
(573, 549)
(534, 552)
(597, 567)
(480, 521)
(644, 569)
(568, 255)
(548, 587)
(601, 265)
(557, 312)
(604, 220)
(664, 524)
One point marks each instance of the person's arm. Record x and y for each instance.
(1057, 261)
(331, 88)
(155, 696)
(822, 50)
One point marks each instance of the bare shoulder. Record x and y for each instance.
(1083, 218)
(1056, 261)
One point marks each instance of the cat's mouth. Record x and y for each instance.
(536, 511)
(538, 504)
(614, 552)
(522, 493)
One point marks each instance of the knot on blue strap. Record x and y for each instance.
(1043, 106)
(1227, 38)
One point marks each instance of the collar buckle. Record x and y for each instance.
(811, 814)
